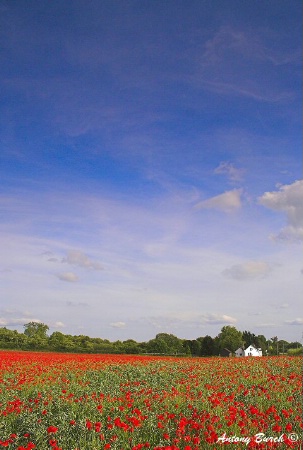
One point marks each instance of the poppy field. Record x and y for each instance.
(52, 401)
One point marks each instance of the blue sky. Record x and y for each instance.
(151, 167)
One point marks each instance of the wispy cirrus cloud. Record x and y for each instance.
(190, 319)
(283, 306)
(233, 173)
(288, 200)
(297, 321)
(16, 321)
(78, 258)
(117, 324)
(58, 324)
(70, 277)
(218, 319)
(244, 48)
(227, 202)
(266, 325)
(249, 270)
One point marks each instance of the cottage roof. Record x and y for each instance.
(251, 345)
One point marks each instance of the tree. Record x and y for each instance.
(157, 346)
(258, 341)
(130, 347)
(249, 338)
(262, 343)
(36, 335)
(230, 338)
(83, 343)
(295, 351)
(174, 344)
(282, 346)
(192, 347)
(36, 329)
(61, 342)
(207, 346)
(274, 346)
(294, 345)
(8, 338)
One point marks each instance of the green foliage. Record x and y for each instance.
(207, 346)
(295, 351)
(35, 338)
(258, 341)
(11, 339)
(192, 347)
(36, 330)
(230, 338)
(294, 345)
(61, 342)
(157, 346)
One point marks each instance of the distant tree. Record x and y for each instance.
(118, 347)
(130, 347)
(274, 346)
(249, 338)
(258, 341)
(36, 329)
(262, 343)
(157, 346)
(207, 346)
(192, 347)
(7, 338)
(36, 335)
(230, 338)
(282, 346)
(61, 342)
(12, 339)
(83, 343)
(294, 345)
(174, 344)
(295, 351)
(143, 347)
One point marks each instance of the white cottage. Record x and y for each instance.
(251, 350)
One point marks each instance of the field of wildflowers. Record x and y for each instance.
(54, 401)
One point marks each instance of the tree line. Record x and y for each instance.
(35, 337)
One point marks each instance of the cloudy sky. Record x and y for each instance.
(151, 167)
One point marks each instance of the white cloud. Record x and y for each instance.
(117, 324)
(77, 258)
(59, 324)
(77, 304)
(217, 319)
(181, 272)
(265, 325)
(190, 319)
(228, 201)
(289, 200)
(297, 321)
(227, 168)
(249, 270)
(14, 321)
(71, 277)
(283, 306)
